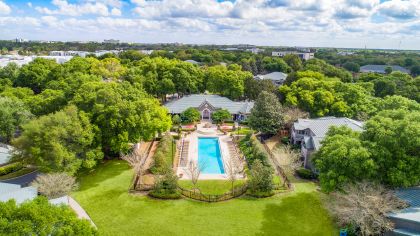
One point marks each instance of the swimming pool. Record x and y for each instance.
(209, 156)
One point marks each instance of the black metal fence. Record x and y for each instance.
(236, 192)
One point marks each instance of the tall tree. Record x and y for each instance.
(121, 113)
(59, 142)
(393, 139)
(343, 159)
(36, 74)
(13, 114)
(266, 115)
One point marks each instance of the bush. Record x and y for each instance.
(166, 186)
(55, 185)
(7, 169)
(243, 122)
(253, 150)
(305, 173)
(261, 180)
(285, 140)
(163, 155)
(188, 129)
(259, 194)
(229, 122)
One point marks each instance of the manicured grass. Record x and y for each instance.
(18, 173)
(103, 194)
(211, 186)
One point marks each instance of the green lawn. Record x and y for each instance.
(103, 194)
(211, 186)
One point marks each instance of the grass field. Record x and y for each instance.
(211, 186)
(103, 194)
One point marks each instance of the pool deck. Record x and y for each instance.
(193, 151)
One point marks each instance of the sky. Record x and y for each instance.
(314, 23)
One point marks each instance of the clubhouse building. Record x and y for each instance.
(207, 104)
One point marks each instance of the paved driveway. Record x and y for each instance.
(23, 180)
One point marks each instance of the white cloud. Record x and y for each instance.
(29, 4)
(4, 8)
(63, 7)
(401, 10)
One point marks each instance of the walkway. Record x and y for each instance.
(81, 213)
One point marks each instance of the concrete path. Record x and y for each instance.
(81, 213)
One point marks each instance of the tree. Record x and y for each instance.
(166, 186)
(36, 74)
(137, 160)
(109, 68)
(328, 70)
(176, 120)
(384, 87)
(190, 115)
(59, 142)
(393, 139)
(364, 207)
(293, 61)
(272, 64)
(55, 185)
(290, 159)
(234, 167)
(388, 70)
(261, 179)
(228, 83)
(292, 114)
(13, 114)
(194, 171)
(352, 66)
(39, 217)
(253, 87)
(343, 159)
(121, 113)
(47, 101)
(221, 116)
(266, 115)
(415, 70)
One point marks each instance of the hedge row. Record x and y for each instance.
(7, 169)
(253, 149)
(163, 155)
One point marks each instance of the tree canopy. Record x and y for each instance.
(266, 115)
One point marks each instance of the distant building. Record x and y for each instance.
(302, 55)
(193, 62)
(69, 53)
(310, 132)
(380, 69)
(112, 41)
(20, 40)
(255, 50)
(277, 78)
(207, 104)
(146, 52)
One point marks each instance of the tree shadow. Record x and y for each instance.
(301, 214)
(104, 171)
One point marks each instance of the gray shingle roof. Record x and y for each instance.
(412, 197)
(319, 127)
(195, 100)
(274, 76)
(381, 68)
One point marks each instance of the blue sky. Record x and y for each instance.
(327, 23)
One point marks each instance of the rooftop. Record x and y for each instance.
(219, 102)
(319, 127)
(274, 76)
(381, 68)
(412, 197)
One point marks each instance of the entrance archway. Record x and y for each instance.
(205, 115)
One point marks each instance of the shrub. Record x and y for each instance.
(7, 169)
(190, 115)
(253, 150)
(163, 155)
(261, 180)
(285, 140)
(166, 186)
(305, 173)
(55, 185)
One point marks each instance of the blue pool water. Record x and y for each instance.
(209, 156)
